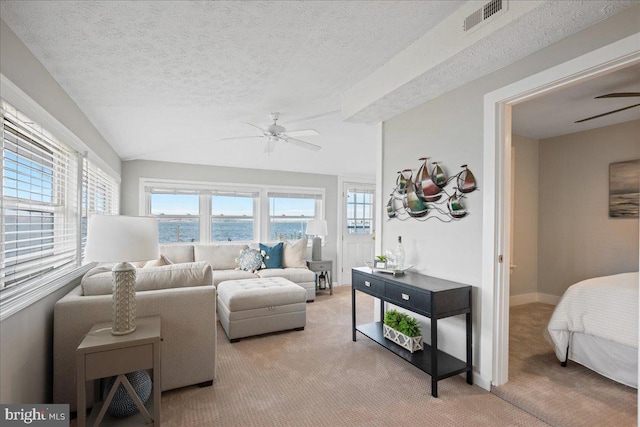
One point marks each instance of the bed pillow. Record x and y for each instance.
(271, 255)
(294, 254)
(250, 260)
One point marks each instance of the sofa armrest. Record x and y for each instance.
(188, 349)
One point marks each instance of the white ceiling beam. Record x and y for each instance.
(446, 58)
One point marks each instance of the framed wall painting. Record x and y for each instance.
(624, 189)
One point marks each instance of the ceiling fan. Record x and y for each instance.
(613, 95)
(274, 133)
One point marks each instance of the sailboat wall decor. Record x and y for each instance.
(428, 193)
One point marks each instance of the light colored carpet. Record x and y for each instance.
(569, 396)
(319, 377)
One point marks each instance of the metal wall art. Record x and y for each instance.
(422, 196)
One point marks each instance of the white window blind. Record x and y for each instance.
(100, 195)
(39, 202)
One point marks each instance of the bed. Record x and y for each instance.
(596, 325)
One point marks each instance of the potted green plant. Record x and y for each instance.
(403, 330)
(380, 262)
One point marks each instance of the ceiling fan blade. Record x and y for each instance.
(257, 127)
(606, 114)
(303, 144)
(302, 132)
(241, 137)
(618, 95)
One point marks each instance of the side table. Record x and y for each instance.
(102, 355)
(322, 267)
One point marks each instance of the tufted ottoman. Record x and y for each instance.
(249, 307)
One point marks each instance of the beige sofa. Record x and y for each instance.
(182, 294)
(222, 258)
(180, 287)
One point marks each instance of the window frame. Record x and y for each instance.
(261, 218)
(16, 297)
(355, 204)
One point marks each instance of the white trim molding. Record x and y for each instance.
(496, 213)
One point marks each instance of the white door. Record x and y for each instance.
(357, 230)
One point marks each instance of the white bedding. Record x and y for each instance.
(604, 307)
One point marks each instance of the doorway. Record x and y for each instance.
(357, 231)
(497, 215)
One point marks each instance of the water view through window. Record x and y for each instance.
(232, 216)
(178, 217)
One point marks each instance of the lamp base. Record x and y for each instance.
(123, 316)
(316, 249)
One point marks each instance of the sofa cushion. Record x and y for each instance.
(272, 255)
(223, 275)
(221, 257)
(296, 275)
(97, 281)
(177, 253)
(294, 254)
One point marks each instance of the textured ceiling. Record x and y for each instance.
(165, 80)
(541, 27)
(555, 113)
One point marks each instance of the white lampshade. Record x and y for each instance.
(317, 227)
(114, 238)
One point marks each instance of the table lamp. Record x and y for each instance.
(121, 239)
(317, 228)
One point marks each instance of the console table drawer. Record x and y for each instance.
(368, 285)
(408, 297)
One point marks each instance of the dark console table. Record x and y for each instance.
(429, 296)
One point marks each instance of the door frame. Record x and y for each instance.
(494, 294)
(342, 181)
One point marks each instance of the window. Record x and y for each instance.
(178, 215)
(290, 212)
(43, 219)
(39, 202)
(100, 195)
(207, 212)
(359, 211)
(232, 217)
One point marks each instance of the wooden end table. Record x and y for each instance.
(102, 355)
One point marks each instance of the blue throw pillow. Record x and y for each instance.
(272, 255)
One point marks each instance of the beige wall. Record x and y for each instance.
(577, 239)
(524, 278)
(132, 171)
(450, 129)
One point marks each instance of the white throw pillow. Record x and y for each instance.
(294, 254)
(163, 260)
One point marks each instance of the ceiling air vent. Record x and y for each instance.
(490, 9)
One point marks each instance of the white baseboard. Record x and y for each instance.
(522, 299)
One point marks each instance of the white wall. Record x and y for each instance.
(577, 239)
(133, 170)
(524, 279)
(450, 129)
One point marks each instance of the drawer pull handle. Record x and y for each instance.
(405, 297)
(367, 284)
